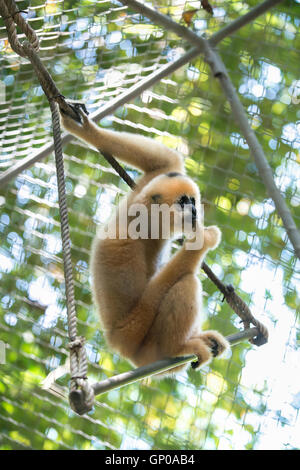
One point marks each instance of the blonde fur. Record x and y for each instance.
(149, 312)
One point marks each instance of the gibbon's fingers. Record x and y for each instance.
(212, 236)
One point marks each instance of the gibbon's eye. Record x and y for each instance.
(193, 201)
(173, 174)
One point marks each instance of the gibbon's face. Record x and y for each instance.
(177, 198)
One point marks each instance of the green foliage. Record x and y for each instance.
(101, 51)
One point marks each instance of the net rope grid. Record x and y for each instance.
(81, 392)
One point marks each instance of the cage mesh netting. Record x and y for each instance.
(96, 50)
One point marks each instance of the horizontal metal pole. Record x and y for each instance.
(28, 161)
(161, 366)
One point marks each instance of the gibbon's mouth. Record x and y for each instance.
(189, 202)
(186, 200)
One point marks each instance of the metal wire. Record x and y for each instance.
(135, 416)
(82, 399)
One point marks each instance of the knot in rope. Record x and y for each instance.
(81, 394)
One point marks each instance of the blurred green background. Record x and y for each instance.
(250, 399)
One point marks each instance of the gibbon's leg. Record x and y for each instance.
(141, 152)
(174, 324)
(176, 328)
(173, 291)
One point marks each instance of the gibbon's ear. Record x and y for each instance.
(156, 198)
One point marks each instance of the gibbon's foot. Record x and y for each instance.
(215, 341)
(212, 237)
(203, 353)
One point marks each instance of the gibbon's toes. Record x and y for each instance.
(216, 342)
(212, 236)
(203, 354)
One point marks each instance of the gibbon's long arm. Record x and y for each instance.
(141, 152)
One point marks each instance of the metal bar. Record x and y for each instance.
(161, 366)
(138, 88)
(242, 21)
(188, 34)
(28, 161)
(219, 71)
(166, 22)
(262, 164)
(105, 110)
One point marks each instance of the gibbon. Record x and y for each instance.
(150, 311)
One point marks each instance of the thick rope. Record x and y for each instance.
(78, 359)
(64, 222)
